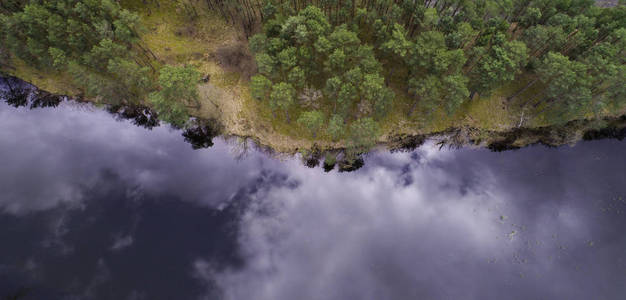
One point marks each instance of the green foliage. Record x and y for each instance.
(260, 87)
(613, 96)
(336, 127)
(323, 45)
(357, 55)
(101, 53)
(461, 37)
(303, 52)
(94, 40)
(363, 134)
(398, 44)
(456, 92)
(568, 84)
(607, 70)
(439, 54)
(169, 110)
(265, 64)
(427, 92)
(258, 43)
(287, 58)
(330, 159)
(59, 59)
(373, 90)
(430, 52)
(297, 77)
(136, 79)
(178, 88)
(312, 121)
(499, 66)
(98, 86)
(72, 27)
(179, 83)
(282, 97)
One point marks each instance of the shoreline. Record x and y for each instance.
(455, 137)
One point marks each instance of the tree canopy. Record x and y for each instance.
(362, 55)
(177, 91)
(96, 40)
(340, 67)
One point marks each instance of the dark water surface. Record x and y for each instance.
(96, 208)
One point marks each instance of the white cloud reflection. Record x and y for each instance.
(426, 225)
(63, 152)
(364, 235)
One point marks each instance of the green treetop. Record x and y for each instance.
(178, 88)
(260, 87)
(283, 97)
(312, 121)
(363, 134)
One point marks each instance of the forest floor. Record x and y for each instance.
(219, 50)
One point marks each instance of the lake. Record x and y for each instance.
(95, 207)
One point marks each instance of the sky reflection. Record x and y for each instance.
(94, 208)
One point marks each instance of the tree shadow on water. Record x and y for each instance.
(140, 115)
(201, 135)
(14, 92)
(41, 99)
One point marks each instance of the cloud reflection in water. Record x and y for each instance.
(119, 211)
(469, 225)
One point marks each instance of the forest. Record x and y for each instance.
(98, 43)
(337, 68)
(439, 54)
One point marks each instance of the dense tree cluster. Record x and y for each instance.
(178, 91)
(304, 61)
(95, 40)
(350, 57)
(337, 67)
(98, 43)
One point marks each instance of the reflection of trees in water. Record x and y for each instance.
(41, 99)
(16, 99)
(13, 92)
(239, 147)
(351, 164)
(611, 132)
(141, 116)
(201, 135)
(311, 159)
(18, 93)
